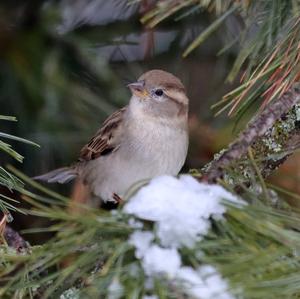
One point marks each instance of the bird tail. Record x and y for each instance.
(60, 175)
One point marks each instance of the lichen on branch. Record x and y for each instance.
(273, 135)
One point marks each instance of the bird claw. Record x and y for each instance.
(112, 204)
(117, 198)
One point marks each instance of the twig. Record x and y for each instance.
(259, 134)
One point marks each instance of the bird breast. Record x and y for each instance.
(158, 147)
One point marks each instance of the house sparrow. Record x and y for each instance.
(147, 138)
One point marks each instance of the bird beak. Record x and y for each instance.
(138, 89)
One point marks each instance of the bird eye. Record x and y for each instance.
(159, 92)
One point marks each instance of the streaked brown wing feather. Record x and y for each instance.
(103, 142)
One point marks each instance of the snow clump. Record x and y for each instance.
(180, 208)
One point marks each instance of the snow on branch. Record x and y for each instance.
(181, 210)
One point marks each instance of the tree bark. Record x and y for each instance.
(272, 135)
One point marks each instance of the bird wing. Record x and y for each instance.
(106, 139)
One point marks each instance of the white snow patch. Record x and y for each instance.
(206, 283)
(164, 261)
(141, 241)
(203, 283)
(155, 259)
(135, 223)
(115, 289)
(181, 208)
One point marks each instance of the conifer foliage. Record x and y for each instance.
(217, 232)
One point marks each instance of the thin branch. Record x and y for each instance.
(272, 135)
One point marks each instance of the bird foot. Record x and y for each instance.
(117, 198)
(112, 204)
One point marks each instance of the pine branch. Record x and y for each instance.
(267, 76)
(268, 42)
(273, 135)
